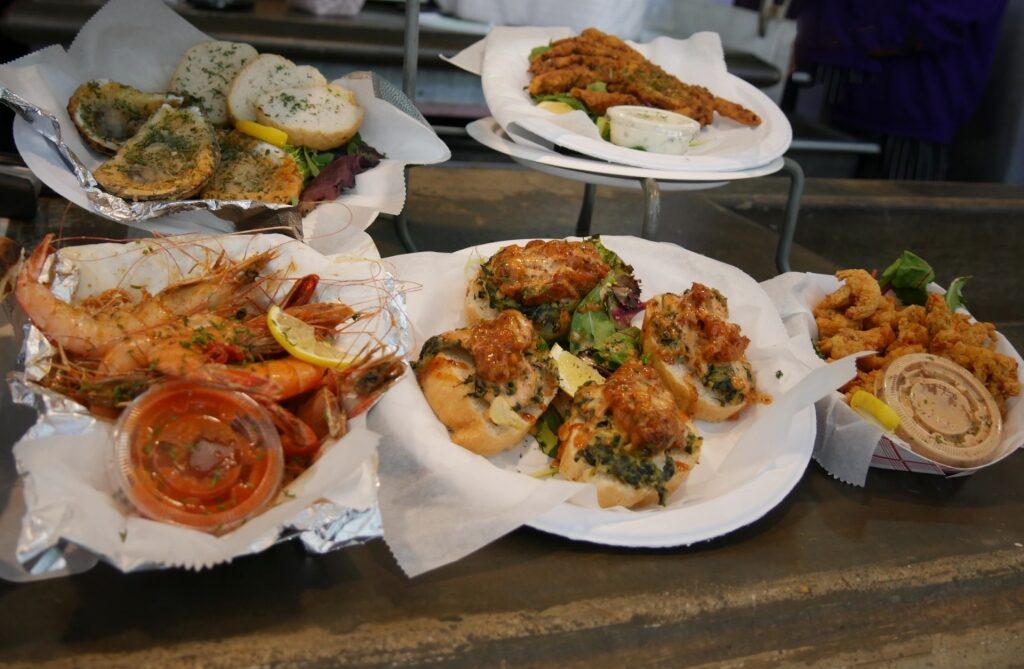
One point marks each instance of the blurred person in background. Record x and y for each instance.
(906, 74)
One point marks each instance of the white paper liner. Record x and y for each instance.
(440, 502)
(724, 146)
(139, 42)
(848, 445)
(64, 459)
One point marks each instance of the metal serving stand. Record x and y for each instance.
(650, 187)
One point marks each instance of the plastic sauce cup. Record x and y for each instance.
(650, 129)
(197, 456)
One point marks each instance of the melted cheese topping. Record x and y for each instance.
(693, 329)
(644, 410)
(543, 272)
(497, 346)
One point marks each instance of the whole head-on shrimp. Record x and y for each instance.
(88, 333)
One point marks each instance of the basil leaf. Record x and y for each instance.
(955, 294)
(546, 432)
(538, 50)
(908, 277)
(561, 97)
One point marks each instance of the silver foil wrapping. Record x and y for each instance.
(40, 551)
(111, 206)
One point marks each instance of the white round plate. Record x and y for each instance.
(722, 146)
(738, 480)
(489, 133)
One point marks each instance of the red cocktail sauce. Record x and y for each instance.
(198, 456)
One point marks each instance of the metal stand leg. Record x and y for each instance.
(409, 64)
(796, 191)
(402, 223)
(586, 210)
(652, 208)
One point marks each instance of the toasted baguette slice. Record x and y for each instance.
(595, 446)
(253, 170)
(268, 73)
(447, 372)
(696, 398)
(610, 490)
(205, 74)
(321, 118)
(478, 306)
(711, 390)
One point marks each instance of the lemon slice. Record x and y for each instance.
(867, 404)
(572, 371)
(555, 107)
(269, 135)
(502, 413)
(299, 339)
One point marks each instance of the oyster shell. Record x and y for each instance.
(108, 113)
(251, 169)
(171, 157)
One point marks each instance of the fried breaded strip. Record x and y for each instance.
(593, 56)
(737, 112)
(599, 101)
(562, 81)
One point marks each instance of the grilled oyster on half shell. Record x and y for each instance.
(170, 158)
(251, 169)
(107, 113)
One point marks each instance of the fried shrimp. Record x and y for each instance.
(858, 317)
(864, 292)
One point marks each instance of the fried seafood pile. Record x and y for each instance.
(859, 317)
(575, 64)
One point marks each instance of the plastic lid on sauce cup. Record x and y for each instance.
(651, 129)
(946, 414)
(197, 456)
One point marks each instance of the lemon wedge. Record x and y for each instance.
(503, 413)
(573, 372)
(868, 405)
(269, 135)
(299, 339)
(555, 107)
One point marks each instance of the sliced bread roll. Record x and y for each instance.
(628, 439)
(486, 409)
(268, 73)
(699, 354)
(320, 118)
(205, 74)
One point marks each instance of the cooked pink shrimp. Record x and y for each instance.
(85, 332)
(359, 385)
(211, 338)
